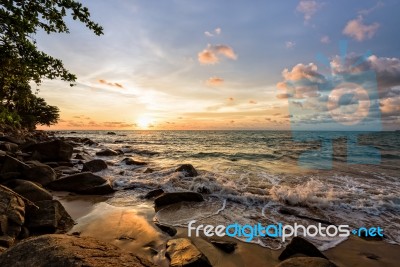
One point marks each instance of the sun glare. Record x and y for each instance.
(144, 122)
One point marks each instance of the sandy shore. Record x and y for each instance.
(131, 228)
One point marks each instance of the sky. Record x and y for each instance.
(188, 65)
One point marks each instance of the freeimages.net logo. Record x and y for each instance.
(343, 102)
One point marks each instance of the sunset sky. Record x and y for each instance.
(210, 64)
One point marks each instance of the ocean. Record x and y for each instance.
(251, 177)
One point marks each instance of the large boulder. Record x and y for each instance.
(12, 216)
(51, 217)
(95, 165)
(11, 164)
(188, 170)
(306, 262)
(182, 252)
(107, 153)
(39, 173)
(175, 197)
(29, 190)
(299, 245)
(68, 251)
(83, 183)
(9, 147)
(56, 150)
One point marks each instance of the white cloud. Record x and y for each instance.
(217, 31)
(308, 8)
(290, 44)
(359, 31)
(210, 54)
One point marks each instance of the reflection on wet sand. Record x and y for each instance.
(123, 227)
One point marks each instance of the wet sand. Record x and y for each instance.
(132, 229)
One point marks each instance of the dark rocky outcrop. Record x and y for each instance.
(226, 246)
(56, 150)
(306, 262)
(171, 231)
(68, 251)
(175, 197)
(12, 216)
(29, 190)
(11, 164)
(95, 165)
(299, 245)
(154, 193)
(39, 173)
(107, 152)
(183, 253)
(9, 147)
(188, 170)
(83, 183)
(131, 161)
(111, 133)
(51, 217)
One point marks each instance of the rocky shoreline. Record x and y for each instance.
(35, 228)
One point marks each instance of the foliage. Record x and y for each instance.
(20, 60)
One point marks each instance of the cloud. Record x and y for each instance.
(302, 82)
(325, 39)
(211, 53)
(308, 8)
(290, 44)
(217, 31)
(214, 81)
(370, 10)
(359, 31)
(231, 99)
(111, 84)
(252, 102)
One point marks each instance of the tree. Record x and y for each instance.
(20, 60)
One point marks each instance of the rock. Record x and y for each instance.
(131, 161)
(11, 139)
(306, 262)
(226, 246)
(183, 253)
(12, 216)
(52, 164)
(171, 198)
(111, 133)
(10, 175)
(88, 142)
(29, 190)
(55, 150)
(171, 231)
(83, 183)
(51, 217)
(11, 164)
(188, 170)
(9, 147)
(39, 173)
(299, 245)
(68, 251)
(148, 170)
(107, 153)
(95, 165)
(154, 193)
(12, 206)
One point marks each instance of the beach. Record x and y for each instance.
(119, 187)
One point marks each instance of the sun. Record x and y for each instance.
(144, 122)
